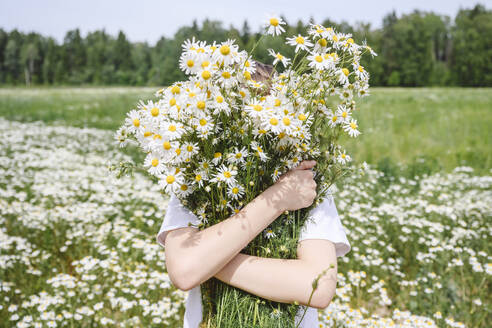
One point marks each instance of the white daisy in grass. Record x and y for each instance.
(188, 63)
(318, 61)
(343, 113)
(133, 121)
(274, 25)
(316, 30)
(258, 151)
(170, 181)
(199, 104)
(300, 42)
(235, 191)
(219, 104)
(279, 58)
(351, 128)
(165, 147)
(225, 174)
(238, 156)
(269, 233)
(235, 208)
(227, 53)
(244, 94)
(343, 158)
(154, 163)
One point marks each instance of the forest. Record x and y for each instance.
(415, 49)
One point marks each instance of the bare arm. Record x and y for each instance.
(193, 256)
(286, 281)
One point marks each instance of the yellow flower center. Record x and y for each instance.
(318, 58)
(274, 22)
(361, 69)
(281, 135)
(217, 155)
(345, 71)
(247, 75)
(166, 145)
(277, 102)
(189, 148)
(184, 187)
(203, 122)
(300, 40)
(258, 108)
(335, 38)
(178, 151)
(286, 121)
(200, 105)
(334, 119)
(343, 156)
(273, 121)
(302, 117)
(226, 75)
(225, 50)
(205, 63)
(247, 64)
(242, 93)
(239, 155)
(155, 162)
(147, 133)
(227, 174)
(175, 90)
(280, 57)
(190, 63)
(322, 42)
(170, 179)
(219, 99)
(154, 111)
(172, 128)
(198, 177)
(172, 102)
(191, 94)
(136, 122)
(344, 114)
(206, 75)
(353, 125)
(235, 190)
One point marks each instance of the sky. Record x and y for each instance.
(148, 20)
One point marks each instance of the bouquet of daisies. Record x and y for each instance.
(220, 138)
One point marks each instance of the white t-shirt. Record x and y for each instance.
(325, 225)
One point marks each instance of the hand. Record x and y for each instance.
(297, 188)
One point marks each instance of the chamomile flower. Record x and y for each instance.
(170, 181)
(122, 136)
(225, 174)
(188, 63)
(200, 177)
(333, 119)
(343, 158)
(227, 53)
(343, 113)
(184, 189)
(272, 123)
(269, 233)
(217, 158)
(235, 191)
(351, 128)
(190, 149)
(172, 130)
(154, 163)
(300, 42)
(317, 61)
(279, 58)
(274, 25)
(238, 155)
(258, 151)
(133, 121)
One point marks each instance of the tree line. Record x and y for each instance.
(415, 49)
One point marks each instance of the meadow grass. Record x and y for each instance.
(451, 126)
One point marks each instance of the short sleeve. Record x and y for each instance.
(324, 223)
(177, 216)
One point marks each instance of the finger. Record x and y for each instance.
(306, 165)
